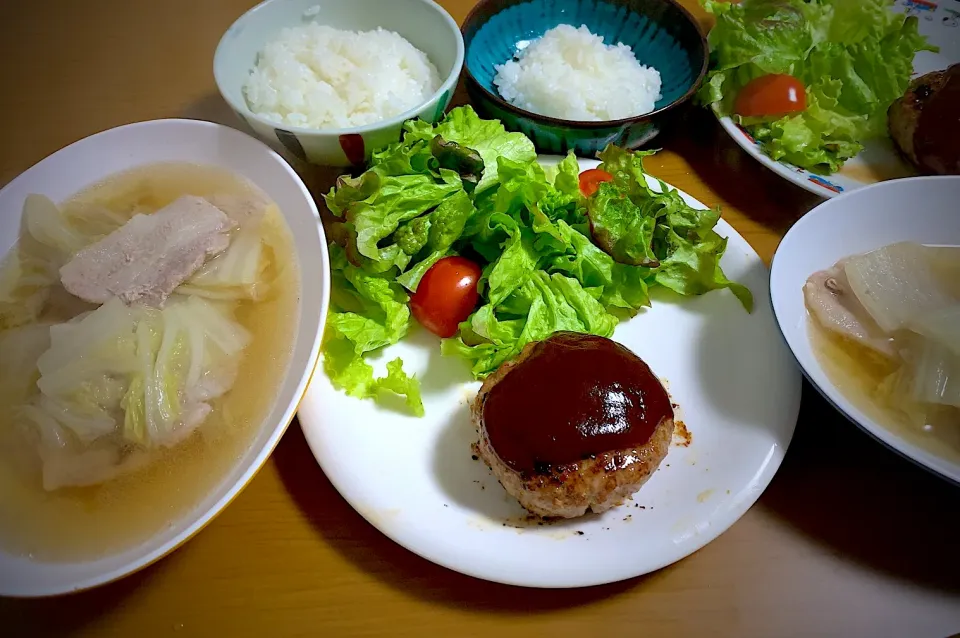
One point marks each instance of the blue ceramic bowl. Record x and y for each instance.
(661, 33)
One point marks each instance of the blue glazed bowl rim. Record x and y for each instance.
(473, 16)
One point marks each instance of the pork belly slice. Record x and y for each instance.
(833, 305)
(149, 256)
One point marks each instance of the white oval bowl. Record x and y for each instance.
(91, 160)
(919, 209)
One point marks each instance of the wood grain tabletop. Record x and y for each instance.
(848, 540)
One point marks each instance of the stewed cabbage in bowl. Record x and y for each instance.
(160, 316)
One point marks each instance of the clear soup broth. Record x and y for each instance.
(857, 373)
(82, 523)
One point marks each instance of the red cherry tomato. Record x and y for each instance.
(447, 294)
(590, 180)
(771, 95)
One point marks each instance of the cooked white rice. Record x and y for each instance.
(319, 77)
(571, 74)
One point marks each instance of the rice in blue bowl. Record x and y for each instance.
(661, 34)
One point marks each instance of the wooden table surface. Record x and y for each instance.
(848, 540)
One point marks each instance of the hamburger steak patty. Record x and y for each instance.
(925, 122)
(574, 423)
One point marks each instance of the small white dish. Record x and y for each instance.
(919, 209)
(879, 160)
(91, 160)
(414, 479)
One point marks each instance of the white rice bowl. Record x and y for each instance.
(315, 76)
(571, 74)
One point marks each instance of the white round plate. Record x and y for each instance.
(92, 160)
(920, 209)
(879, 160)
(414, 479)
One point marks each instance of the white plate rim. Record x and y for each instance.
(311, 421)
(798, 176)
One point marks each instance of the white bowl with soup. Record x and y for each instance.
(162, 296)
(866, 290)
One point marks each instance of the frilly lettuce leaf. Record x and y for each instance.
(488, 137)
(442, 227)
(349, 372)
(394, 199)
(542, 305)
(369, 311)
(658, 229)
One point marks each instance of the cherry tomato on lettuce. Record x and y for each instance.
(774, 94)
(591, 179)
(446, 295)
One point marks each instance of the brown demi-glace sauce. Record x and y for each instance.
(575, 396)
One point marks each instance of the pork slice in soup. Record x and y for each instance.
(150, 255)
